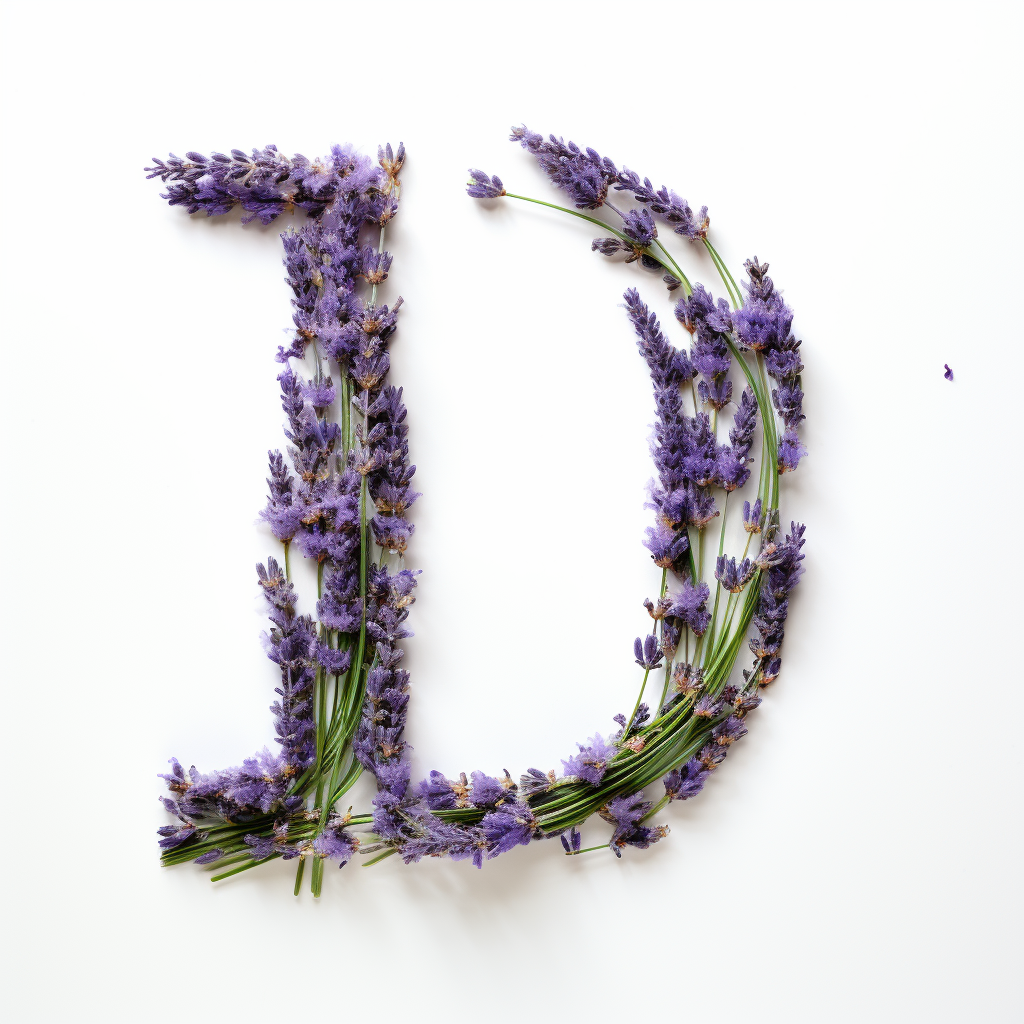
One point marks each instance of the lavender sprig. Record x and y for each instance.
(348, 485)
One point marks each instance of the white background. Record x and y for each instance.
(858, 856)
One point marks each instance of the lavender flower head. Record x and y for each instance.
(584, 175)
(626, 814)
(592, 761)
(483, 187)
(764, 325)
(343, 489)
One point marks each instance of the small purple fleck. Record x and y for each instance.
(949, 373)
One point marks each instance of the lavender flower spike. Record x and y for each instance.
(627, 813)
(483, 187)
(592, 761)
(666, 205)
(764, 325)
(647, 652)
(584, 175)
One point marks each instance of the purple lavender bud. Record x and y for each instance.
(393, 775)
(292, 645)
(700, 314)
(263, 846)
(640, 717)
(702, 508)
(320, 393)
(729, 731)
(335, 662)
(640, 227)
(707, 706)
(752, 518)
(741, 436)
(717, 392)
(265, 185)
(375, 265)
(710, 324)
(175, 835)
(592, 761)
(647, 653)
(283, 512)
(764, 324)
(686, 679)
(390, 161)
(609, 246)
(782, 574)
(786, 573)
(584, 175)
(700, 461)
(770, 672)
(711, 756)
(535, 782)
(667, 546)
(788, 399)
(626, 814)
(731, 469)
(747, 702)
(666, 205)
(734, 577)
(438, 792)
(783, 363)
(387, 628)
(392, 532)
(483, 187)
(689, 605)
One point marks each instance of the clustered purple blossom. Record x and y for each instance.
(378, 744)
(584, 175)
(709, 323)
(667, 205)
(483, 187)
(690, 462)
(416, 831)
(261, 784)
(626, 814)
(335, 492)
(782, 564)
(592, 761)
(764, 324)
(686, 453)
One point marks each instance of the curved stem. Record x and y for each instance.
(684, 280)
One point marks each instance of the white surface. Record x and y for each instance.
(857, 858)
